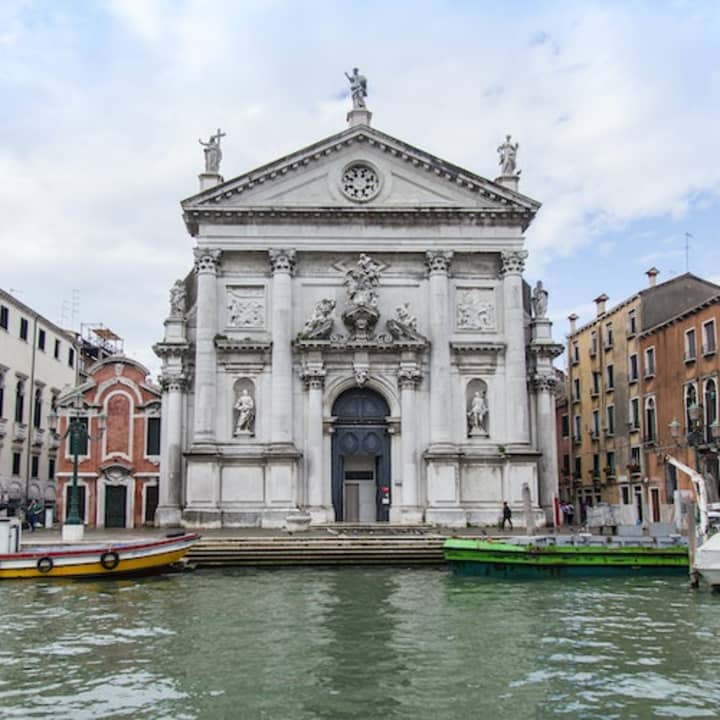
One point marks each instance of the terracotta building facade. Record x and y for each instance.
(614, 412)
(680, 399)
(118, 469)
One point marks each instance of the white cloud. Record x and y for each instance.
(615, 108)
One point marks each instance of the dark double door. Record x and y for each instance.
(361, 458)
(115, 506)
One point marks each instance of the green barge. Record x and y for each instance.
(566, 556)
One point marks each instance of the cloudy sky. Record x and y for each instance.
(615, 106)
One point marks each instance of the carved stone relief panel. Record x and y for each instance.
(245, 307)
(475, 309)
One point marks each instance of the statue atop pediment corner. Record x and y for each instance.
(508, 157)
(358, 89)
(213, 153)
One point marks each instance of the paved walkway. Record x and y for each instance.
(95, 535)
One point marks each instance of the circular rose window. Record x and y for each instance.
(360, 182)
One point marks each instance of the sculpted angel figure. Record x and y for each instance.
(508, 156)
(358, 89)
(177, 298)
(245, 406)
(362, 283)
(213, 154)
(319, 324)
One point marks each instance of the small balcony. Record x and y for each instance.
(53, 441)
(38, 436)
(709, 348)
(634, 469)
(3, 427)
(609, 473)
(19, 432)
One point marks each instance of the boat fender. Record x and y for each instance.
(109, 560)
(45, 564)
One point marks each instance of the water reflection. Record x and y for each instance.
(357, 643)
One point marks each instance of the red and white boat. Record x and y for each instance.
(137, 557)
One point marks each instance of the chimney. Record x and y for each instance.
(600, 301)
(573, 320)
(652, 273)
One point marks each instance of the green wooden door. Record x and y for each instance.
(115, 506)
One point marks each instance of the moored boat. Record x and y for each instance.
(557, 556)
(137, 557)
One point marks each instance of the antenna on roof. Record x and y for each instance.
(687, 251)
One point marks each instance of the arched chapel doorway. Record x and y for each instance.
(361, 457)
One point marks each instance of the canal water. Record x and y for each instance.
(358, 643)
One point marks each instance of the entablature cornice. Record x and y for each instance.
(381, 343)
(475, 348)
(174, 349)
(337, 215)
(244, 345)
(547, 350)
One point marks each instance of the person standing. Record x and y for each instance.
(506, 515)
(34, 512)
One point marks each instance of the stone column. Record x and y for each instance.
(443, 460)
(544, 386)
(168, 513)
(517, 426)
(282, 262)
(408, 379)
(314, 379)
(206, 264)
(438, 263)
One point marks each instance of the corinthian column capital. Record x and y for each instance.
(282, 261)
(207, 260)
(513, 262)
(438, 261)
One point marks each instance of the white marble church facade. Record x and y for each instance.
(356, 343)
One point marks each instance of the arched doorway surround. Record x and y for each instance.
(361, 457)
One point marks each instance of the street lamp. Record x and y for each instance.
(78, 432)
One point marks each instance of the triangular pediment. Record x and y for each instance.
(358, 169)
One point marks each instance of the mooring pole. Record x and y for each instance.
(692, 543)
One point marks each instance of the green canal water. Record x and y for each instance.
(358, 643)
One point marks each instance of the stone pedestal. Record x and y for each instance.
(280, 485)
(508, 181)
(73, 533)
(443, 487)
(209, 180)
(359, 116)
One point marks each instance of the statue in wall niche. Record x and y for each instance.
(508, 157)
(477, 415)
(213, 154)
(320, 324)
(540, 300)
(245, 406)
(358, 89)
(177, 298)
(404, 325)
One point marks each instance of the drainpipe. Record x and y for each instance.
(31, 412)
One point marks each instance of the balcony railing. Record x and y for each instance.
(3, 427)
(38, 436)
(53, 441)
(634, 469)
(19, 432)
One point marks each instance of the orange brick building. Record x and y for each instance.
(118, 471)
(680, 369)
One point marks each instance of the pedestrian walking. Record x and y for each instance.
(506, 516)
